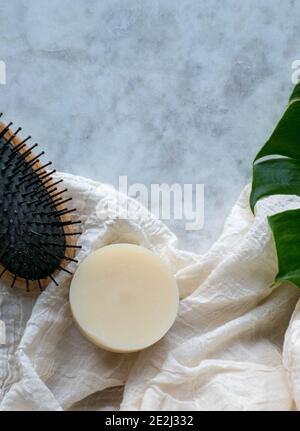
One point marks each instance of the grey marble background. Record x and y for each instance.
(159, 90)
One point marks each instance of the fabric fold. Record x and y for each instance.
(231, 347)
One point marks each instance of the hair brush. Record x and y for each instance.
(37, 237)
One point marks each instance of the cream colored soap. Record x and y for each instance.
(123, 297)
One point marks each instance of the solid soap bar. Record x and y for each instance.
(123, 297)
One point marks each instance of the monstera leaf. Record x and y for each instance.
(278, 174)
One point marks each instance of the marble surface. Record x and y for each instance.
(160, 91)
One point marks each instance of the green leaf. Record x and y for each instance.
(286, 232)
(285, 140)
(275, 177)
(295, 94)
(281, 175)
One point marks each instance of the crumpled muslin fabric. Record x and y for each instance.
(235, 344)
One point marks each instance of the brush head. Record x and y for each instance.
(36, 235)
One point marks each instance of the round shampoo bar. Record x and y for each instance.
(123, 298)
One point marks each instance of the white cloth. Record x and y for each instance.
(234, 346)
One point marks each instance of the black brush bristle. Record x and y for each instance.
(33, 241)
